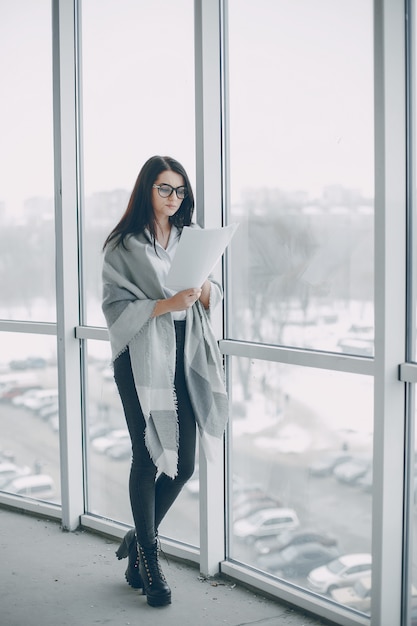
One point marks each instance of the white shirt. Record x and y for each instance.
(161, 262)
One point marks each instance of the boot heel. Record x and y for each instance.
(128, 548)
(123, 550)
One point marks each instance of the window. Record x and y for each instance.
(309, 390)
(301, 174)
(27, 268)
(138, 100)
(29, 447)
(300, 270)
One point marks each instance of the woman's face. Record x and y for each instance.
(165, 208)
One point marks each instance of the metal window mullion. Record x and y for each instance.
(389, 392)
(67, 287)
(209, 215)
(297, 356)
(411, 277)
(37, 328)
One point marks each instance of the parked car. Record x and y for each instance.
(8, 392)
(102, 444)
(365, 481)
(98, 429)
(251, 505)
(292, 538)
(357, 596)
(325, 465)
(265, 522)
(35, 485)
(241, 495)
(20, 399)
(242, 490)
(297, 560)
(9, 471)
(120, 450)
(50, 409)
(40, 398)
(242, 487)
(342, 572)
(352, 470)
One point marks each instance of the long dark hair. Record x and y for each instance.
(139, 213)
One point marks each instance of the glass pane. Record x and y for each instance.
(301, 492)
(27, 268)
(109, 455)
(183, 519)
(302, 173)
(138, 100)
(29, 443)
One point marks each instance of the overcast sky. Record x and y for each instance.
(300, 87)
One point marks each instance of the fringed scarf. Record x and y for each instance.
(130, 290)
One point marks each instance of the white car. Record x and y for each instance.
(265, 522)
(102, 444)
(357, 597)
(352, 470)
(21, 399)
(36, 486)
(10, 471)
(40, 398)
(342, 572)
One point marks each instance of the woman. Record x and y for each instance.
(167, 365)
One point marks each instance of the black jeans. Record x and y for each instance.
(152, 497)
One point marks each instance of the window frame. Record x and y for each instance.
(393, 373)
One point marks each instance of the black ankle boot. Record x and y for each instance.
(155, 585)
(128, 547)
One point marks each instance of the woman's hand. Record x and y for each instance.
(182, 301)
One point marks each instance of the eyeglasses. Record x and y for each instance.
(166, 190)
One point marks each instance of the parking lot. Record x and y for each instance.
(321, 502)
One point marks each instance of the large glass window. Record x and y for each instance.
(29, 442)
(299, 177)
(29, 445)
(108, 442)
(27, 266)
(110, 452)
(138, 100)
(301, 274)
(301, 173)
(302, 470)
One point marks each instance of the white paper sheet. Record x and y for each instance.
(197, 254)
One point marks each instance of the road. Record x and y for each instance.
(341, 510)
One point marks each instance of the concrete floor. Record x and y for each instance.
(56, 578)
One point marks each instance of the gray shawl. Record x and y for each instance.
(130, 290)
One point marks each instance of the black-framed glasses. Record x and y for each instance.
(166, 190)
